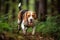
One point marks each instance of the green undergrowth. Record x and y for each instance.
(51, 26)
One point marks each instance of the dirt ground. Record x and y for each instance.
(28, 36)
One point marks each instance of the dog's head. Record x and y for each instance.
(30, 16)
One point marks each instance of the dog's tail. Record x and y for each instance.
(19, 6)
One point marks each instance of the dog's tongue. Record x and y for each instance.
(30, 23)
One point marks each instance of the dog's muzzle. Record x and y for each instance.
(31, 20)
(31, 23)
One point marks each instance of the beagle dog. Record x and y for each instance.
(26, 19)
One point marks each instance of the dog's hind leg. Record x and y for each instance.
(19, 25)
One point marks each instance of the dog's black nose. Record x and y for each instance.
(31, 20)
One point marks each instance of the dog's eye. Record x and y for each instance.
(33, 15)
(28, 15)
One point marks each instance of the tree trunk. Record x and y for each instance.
(24, 4)
(54, 7)
(41, 10)
(32, 5)
(58, 6)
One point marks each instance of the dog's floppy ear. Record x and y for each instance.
(19, 15)
(35, 15)
(25, 16)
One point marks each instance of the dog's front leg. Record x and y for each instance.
(23, 27)
(33, 31)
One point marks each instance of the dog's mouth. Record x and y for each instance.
(30, 23)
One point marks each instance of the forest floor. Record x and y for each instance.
(28, 36)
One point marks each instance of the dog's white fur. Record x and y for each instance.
(23, 23)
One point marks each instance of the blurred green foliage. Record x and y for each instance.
(5, 25)
(49, 26)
